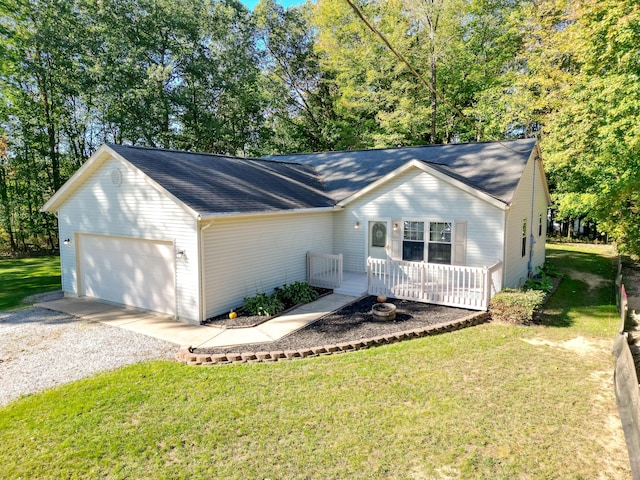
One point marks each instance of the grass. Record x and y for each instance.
(22, 277)
(494, 401)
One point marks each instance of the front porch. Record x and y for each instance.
(354, 284)
(450, 285)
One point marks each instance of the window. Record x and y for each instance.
(439, 242)
(413, 242)
(379, 234)
(540, 226)
(524, 237)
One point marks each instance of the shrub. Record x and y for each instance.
(515, 306)
(263, 304)
(542, 280)
(551, 270)
(295, 293)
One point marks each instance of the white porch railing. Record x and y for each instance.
(324, 270)
(451, 285)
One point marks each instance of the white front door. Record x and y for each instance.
(378, 239)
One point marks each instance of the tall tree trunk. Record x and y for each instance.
(47, 105)
(5, 208)
(434, 98)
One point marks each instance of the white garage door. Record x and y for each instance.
(134, 272)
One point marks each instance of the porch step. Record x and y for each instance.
(353, 291)
(353, 285)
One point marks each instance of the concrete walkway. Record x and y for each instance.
(164, 327)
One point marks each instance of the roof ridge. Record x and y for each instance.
(402, 147)
(206, 154)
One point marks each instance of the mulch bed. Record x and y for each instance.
(355, 322)
(246, 320)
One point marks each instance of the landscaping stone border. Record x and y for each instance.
(187, 356)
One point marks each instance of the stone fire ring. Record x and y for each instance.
(383, 311)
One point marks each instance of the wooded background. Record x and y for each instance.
(211, 76)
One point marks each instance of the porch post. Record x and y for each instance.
(487, 287)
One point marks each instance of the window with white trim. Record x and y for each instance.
(524, 237)
(439, 243)
(540, 226)
(413, 242)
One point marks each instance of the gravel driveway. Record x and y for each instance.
(40, 349)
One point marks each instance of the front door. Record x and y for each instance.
(378, 240)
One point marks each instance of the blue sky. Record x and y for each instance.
(285, 3)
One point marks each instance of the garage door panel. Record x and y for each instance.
(129, 271)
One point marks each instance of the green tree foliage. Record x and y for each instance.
(372, 86)
(45, 96)
(462, 50)
(298, 93)
(177, 73)
(209, 75)
(593, 146)
(77, 73)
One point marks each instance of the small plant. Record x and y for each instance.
(541, 281)
(263, 304)
(515, 306)
(551, 270)
(295, 293)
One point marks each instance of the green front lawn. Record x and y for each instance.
(494, 402)
(22, 277)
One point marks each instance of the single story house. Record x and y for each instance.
(192, 234)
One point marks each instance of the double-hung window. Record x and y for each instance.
(413, 242)
(439, 242)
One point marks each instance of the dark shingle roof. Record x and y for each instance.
(493, 167)
(217, 184)
(211, 184)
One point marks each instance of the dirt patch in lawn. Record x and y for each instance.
(355, 322)
(593, 280)
(579, 345)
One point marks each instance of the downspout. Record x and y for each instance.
(505, 236)
(532, 239)
(203, 305)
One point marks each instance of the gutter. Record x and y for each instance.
(259, 213)
(507, 214)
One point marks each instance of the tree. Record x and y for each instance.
(593, 146)
(300, 111)
(45, 97)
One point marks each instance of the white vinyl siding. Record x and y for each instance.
(540, 210)
(417, 195)
(517, 266)
(248, 255)
(134, 209)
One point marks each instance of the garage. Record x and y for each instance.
(128, 271)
